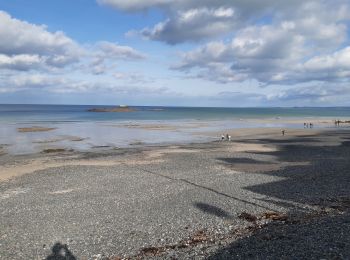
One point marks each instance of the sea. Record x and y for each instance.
(78, 129)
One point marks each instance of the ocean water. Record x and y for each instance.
(79, 113)
(76, 128)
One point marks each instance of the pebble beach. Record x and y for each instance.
(261, 196)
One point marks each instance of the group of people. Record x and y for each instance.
(225, 137)
(337, 122)
(308, 125)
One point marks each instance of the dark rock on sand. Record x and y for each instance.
(35, 129)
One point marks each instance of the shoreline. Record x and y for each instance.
(84, 136)
(44, 159)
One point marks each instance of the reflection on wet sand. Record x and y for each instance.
(63, 138)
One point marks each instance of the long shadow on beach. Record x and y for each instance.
(322, 170)
(242, 160)
(327, 173)
(322, 178)
(325, 238)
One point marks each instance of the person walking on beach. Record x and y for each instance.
(222, 137)
(283, 132)
(304, 125)
(229, 138)
(311, 125)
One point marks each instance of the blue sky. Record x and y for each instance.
(185, 52)
(83, 20)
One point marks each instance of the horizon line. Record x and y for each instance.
(43, 104)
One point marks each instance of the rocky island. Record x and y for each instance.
(112, 109)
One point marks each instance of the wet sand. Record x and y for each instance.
(40, 161)
(263, 195)
(84, 136)
(55, 156)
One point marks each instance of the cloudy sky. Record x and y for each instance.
(175, 52)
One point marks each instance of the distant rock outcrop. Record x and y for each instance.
(113, 109)
(35, 129)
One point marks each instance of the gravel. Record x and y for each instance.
(187, 206)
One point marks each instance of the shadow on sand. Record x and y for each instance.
(288, 241)
(60, 252)
(212, 210)
(323, 181)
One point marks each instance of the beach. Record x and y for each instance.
(262, 195)
(160, 129)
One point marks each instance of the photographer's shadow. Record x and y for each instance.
(60, 252)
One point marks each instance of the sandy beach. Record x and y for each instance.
(263, 195)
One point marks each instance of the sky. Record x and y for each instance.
(224, 53)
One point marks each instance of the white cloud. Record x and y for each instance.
(192, 25)
(115, 51)
(273, 42)
(24, 43)
(133, 78)
(339, 60)
(134, 5)
(192, 20)
(59, 84)
(285, 51)
(260, 52)
(105, 55)
(245, 7)
(34, 82)
(29, 47)
(314, 95)
(20, 62)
